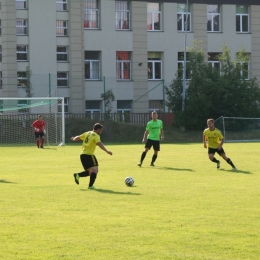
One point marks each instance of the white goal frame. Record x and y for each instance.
(62, 143)
(225, 132)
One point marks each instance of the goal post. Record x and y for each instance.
(18, 114)
(239, 129)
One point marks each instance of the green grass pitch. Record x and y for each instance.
(184, 208)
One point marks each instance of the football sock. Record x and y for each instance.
(154, 158)
(230, 162)
(42, 142)
(143, 156)
(37, 142)
(93, 177)
(83, 174)
(215, 160)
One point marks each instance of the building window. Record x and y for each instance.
(0, 53)
(154, 66)
(243, 65)
(21, 53)
(66, 105)
(155, 105)
(61, 5)
(92, 65)
(1, 83)
(62, 79)
(123, 65)
(181, 18)
(213, 60)
(213, 15)
(242, 19)
(21, 27)
(181, 65)
(62, 53)
(62, 28)
(21, 4)
(21, 79)
(91, 14)
(23, 106)
(122, 15)
(93, 109)
(153, 17)
(124, 106)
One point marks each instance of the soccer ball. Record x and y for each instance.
(129, 181)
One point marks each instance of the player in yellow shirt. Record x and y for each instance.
(89, 161)
(215, 142)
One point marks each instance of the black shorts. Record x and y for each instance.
(88, 161)
(151, 143)
(39, 135)
(215, 150)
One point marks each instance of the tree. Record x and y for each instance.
(213, 92)
(108, 98)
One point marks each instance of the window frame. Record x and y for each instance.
(18, 6)
(152, 13)
(60, 29)
(93, 74)
(91, 12)
(212, 60)
(66, 105)
(213, 14)
(21, 78)
(62, 53)
(181, 65)
(23, 27)
(65, 79)
(123, 66)
(122, 13)
(61, 3)
(22, 52)
(183, 19)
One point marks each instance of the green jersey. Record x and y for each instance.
(154, 128)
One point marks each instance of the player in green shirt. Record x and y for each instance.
(89, 161)
(152, 136)
(215, 142)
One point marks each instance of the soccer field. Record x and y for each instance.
(184, 208)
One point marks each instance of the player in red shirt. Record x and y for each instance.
(39, 129)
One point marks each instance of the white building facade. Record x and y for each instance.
(79, 49)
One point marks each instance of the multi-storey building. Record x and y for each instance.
(79, 49)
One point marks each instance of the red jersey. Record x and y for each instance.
(38, 124)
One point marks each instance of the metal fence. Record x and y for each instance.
(133, 118)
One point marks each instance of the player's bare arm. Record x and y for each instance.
(221, 144)
(75, 138)
(162, 134)
(205, 141)
(145, 136)
(104, 148)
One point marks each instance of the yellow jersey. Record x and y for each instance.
(213, 136)
(90, 140)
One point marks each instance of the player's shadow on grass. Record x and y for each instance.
(236, 171)
(7, 182)
(174, 169)
(112, 192)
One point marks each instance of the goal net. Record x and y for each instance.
(18, 114)
(239, 129)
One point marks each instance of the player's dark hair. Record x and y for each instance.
(39, 116)
(97, 126)
(210, 120)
